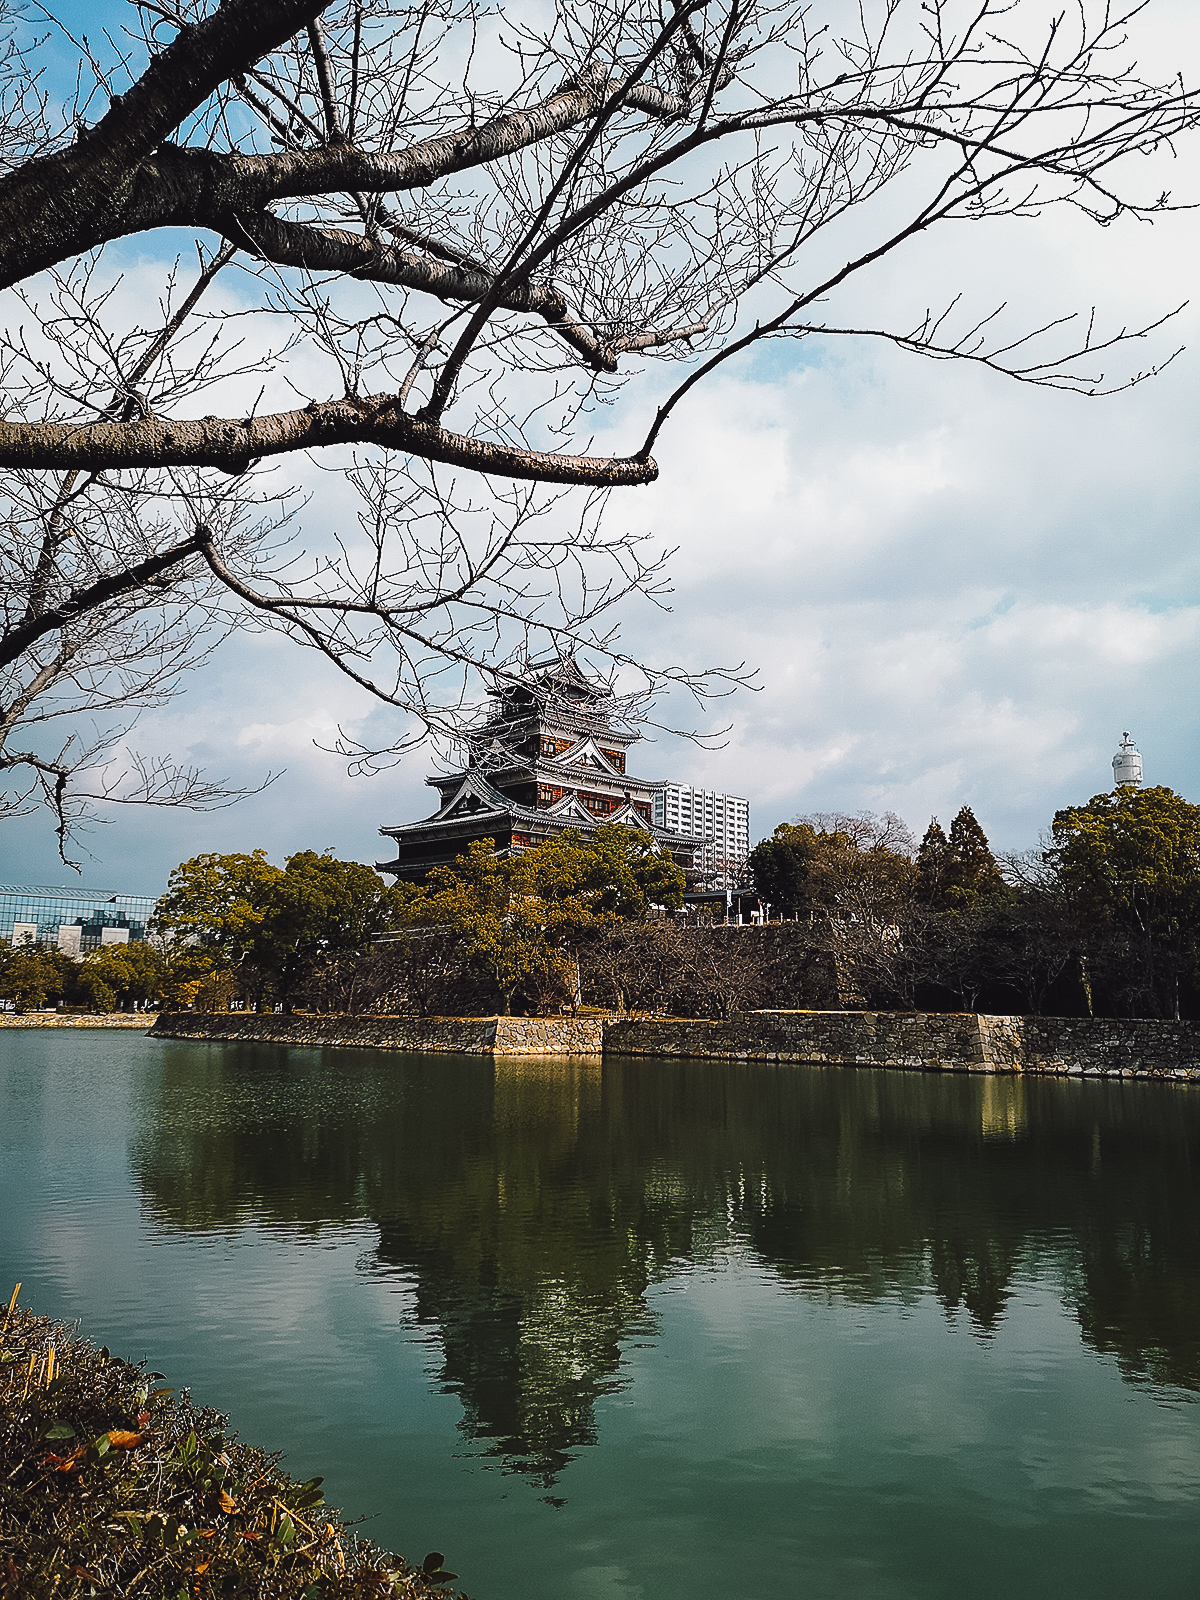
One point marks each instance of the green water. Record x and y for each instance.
(669, 1329)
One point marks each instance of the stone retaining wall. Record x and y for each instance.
(921, 1040)
(915, 1039)
(1108, 1047)
(929, 1041)
(501, 1036)
(52, 1019)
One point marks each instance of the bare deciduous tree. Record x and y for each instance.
(726, 969)
(631, 966)
(470, 225)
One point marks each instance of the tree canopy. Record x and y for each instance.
(272, 924)
(33, 976)
(1130, 860)
(521, 915)
(952, 872)
(836, 865)
(217, 902)
(436, 238)
(1133, 854)
(273, 929)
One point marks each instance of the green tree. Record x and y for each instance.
(1131, 861)
(781, 867)
(318, 910)
(523, 917)
(99, 978)
(186, 969)
(271, 925)
(934, 866)
(619, 871)
(514, 916)
(473, 898)
(117, 975)
(833, 864)
(216, 903)
(974, 869)
(31, 975)
(953, 872)
(854, 878)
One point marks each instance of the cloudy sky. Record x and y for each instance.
(955, 589)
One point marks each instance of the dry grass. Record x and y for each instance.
(112, 1486)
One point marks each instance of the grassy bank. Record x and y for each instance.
(112, 1485)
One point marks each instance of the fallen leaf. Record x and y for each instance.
(226, 1502)
(123, 1439)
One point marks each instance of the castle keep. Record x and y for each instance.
(549, 756)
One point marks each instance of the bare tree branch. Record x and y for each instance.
(437, 238)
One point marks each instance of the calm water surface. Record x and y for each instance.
(669, 1329)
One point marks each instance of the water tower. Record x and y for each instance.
(1127, 764)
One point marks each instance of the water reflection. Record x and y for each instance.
(531, 1204)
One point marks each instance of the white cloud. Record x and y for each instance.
(956, 589)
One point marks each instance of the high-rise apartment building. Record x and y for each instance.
(723, 820)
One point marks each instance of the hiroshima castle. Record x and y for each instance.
(548, 757)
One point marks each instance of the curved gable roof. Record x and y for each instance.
(474, 787)
(629, 816)
(585, 753)
(569, 807)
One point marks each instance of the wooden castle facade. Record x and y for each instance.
(548, 757)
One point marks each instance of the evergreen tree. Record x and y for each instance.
(973, 866)
(781, 867)
(1130, 860)
(934, 865)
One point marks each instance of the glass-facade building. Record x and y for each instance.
(74, 919)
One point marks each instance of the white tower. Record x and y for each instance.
(1127, 765)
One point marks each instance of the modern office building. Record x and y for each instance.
(722, 820)
(76, 920)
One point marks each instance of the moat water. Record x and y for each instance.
(670, 1329)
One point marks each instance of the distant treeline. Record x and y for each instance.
(1104, 918)
(125, 977)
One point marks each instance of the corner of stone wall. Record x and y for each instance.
(549, 1036)
(1003, 1046)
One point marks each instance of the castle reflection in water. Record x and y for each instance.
(530, 1205)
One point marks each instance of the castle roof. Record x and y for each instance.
(555, 692)
(516, 750)
(584, 755)
(475, 799)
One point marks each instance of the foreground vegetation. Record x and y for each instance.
(111, 1486)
